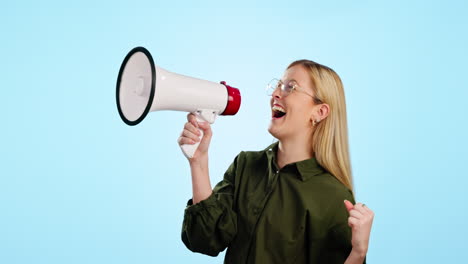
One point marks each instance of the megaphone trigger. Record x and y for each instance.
(206, 115)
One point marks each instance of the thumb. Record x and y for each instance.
(349, 205)
(205, 127)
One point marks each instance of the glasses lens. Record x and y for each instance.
(288, 87)
(271, 87)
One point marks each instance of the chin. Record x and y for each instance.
(274, 132)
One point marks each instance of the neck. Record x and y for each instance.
(294, 150)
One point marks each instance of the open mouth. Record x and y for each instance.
(278, 111)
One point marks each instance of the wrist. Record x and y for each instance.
(198, 160)
(359, 253)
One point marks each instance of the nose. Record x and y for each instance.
(276, 93)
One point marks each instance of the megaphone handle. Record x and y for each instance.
(188, 149)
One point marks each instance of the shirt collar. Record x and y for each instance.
(306, 168)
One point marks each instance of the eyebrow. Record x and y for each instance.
(291, 80)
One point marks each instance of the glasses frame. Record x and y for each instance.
(275, 83)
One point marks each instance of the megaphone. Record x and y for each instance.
(143, 87)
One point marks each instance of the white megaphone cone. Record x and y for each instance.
(143, 87)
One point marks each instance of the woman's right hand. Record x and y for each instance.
(190, 135)
(360, 220)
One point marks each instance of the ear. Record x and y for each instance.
(324, 110)
(320, 112)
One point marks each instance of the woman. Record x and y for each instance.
(293, 201)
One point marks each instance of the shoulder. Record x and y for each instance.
(327, 195)
(329, 184)
(251, 156)
(247, 166)
(254, 156)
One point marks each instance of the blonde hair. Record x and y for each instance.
(330, 136)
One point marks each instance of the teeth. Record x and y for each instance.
(278, 108)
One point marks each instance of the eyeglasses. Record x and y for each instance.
(285, 87)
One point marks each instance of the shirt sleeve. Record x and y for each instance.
(210, 225)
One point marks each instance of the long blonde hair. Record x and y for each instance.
(330, 136)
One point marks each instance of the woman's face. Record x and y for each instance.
(298, 106)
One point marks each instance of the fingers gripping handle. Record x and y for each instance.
(202, 116)
(189, 149)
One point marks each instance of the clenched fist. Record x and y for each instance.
(360, 220)
(191, 134)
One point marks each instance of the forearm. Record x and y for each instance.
(201, 186)
(355, 257)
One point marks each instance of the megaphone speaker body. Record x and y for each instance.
(143, 87)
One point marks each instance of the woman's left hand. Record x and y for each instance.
(360, 220)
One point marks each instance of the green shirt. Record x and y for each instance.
(266, 215)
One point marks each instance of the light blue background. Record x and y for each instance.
(77, 185)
